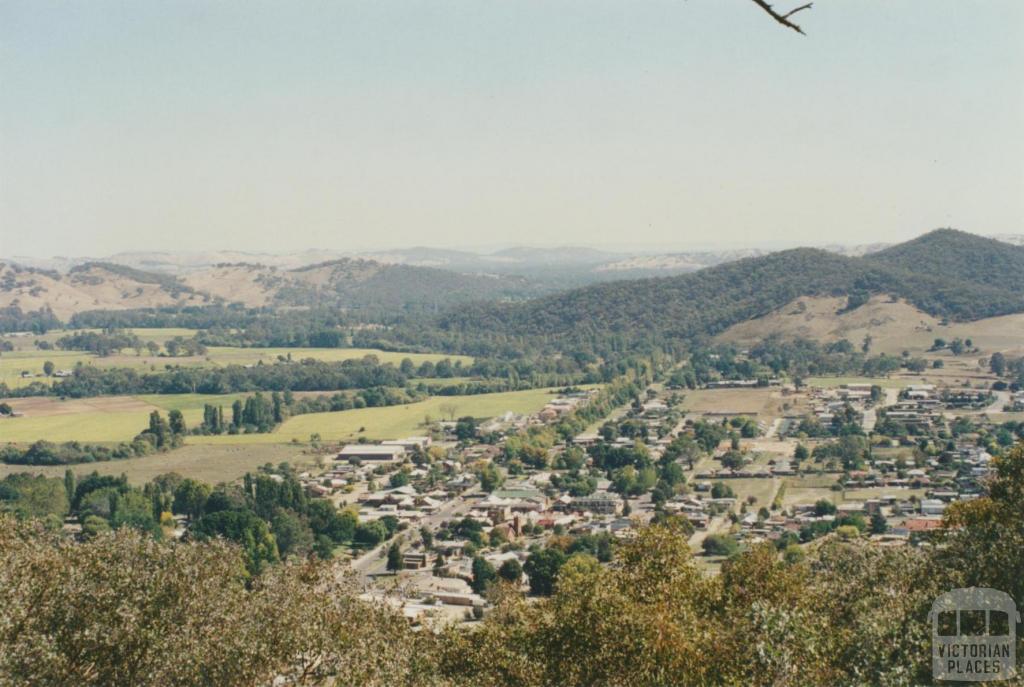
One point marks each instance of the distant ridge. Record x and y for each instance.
(945, 273)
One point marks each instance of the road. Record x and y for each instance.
(1002, 399)
(374, 562)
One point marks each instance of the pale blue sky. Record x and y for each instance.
(275, 126)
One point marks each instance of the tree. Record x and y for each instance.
(542, 570)
(190, 498)
(176, 420)
(236, 413)
(878, 523)
(465, 428)
(69, 484)
(732, 459)
(483, 575)
(394, 557)
(48, 368)
(292, 533)
(719, 545)
(245, 528)
(783, 18)
(511, 571)
(370, 533)
(997, 363)
(720, 490)
(824, 507)
(34, 496)
(800, 453)
(144, 597)
(490, 477)
(448, 409)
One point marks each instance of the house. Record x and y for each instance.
(414, 560)
(932, 507)
(921, 525)
(599, 502)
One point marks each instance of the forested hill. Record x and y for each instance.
(976, 278)
(960, 256)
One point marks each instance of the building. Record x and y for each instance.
(598, 502)
(409, 443)
(371, 453)
(414, 560)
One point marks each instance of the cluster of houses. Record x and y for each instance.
(525, 509)
(907, 516)
(919, 408)
(826, 403)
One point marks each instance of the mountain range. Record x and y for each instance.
(946, 273)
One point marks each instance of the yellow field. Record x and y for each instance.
(894, 327)
(391, 422)
(211, 464)
(762, 401)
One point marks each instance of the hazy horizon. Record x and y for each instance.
(273, 127)
(488, 250)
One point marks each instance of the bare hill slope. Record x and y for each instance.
(91, 286)
(894, 326)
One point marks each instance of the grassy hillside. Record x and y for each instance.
(346, 283)
(368, 284)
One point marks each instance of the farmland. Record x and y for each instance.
(389, 422)
(26, 357)
(119, 418)
(211, 464)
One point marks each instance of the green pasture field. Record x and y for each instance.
(119, 418)
(12, 363)
(92, 427)
(27, 357)
(761, 489)
(391, 422)
(211, 464)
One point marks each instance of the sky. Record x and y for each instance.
(670, 124)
